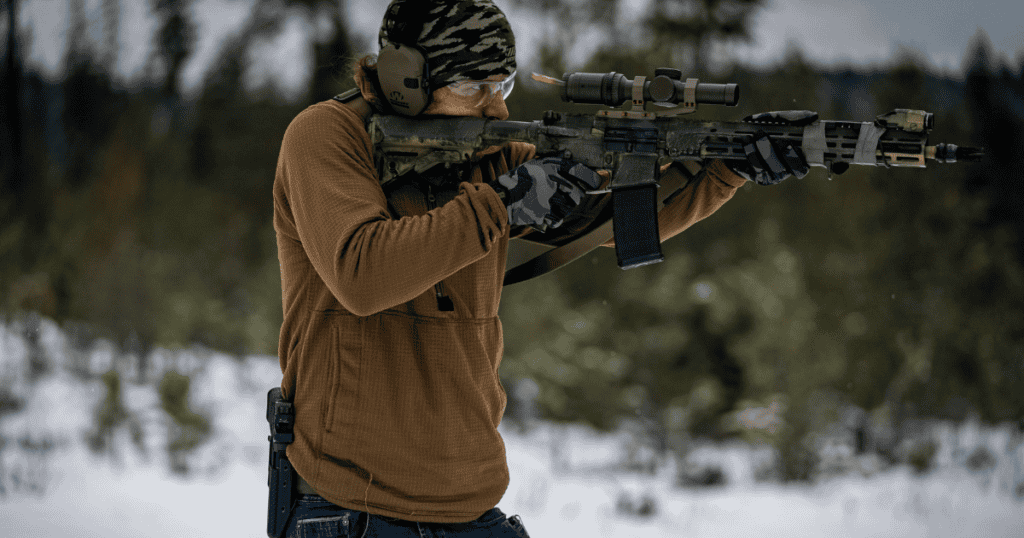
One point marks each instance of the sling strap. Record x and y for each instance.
(362, 107)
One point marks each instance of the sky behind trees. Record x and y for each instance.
(830, 32)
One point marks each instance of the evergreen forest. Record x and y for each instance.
(143, 215)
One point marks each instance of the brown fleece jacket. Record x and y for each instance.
(398, 402)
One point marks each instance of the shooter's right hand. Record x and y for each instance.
(542, 192)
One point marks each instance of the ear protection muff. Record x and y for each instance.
(404, 77)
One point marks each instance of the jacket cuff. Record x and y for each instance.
(720, 171)
(491, 211)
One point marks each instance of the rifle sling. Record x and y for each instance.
(557, 257)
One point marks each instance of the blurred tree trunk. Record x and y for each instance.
(14, 182)
(91, 106)
(684, 31)
(175, 41)
(111, 31)
(330, 56)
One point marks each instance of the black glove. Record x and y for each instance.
(541, 192)
(768, 160)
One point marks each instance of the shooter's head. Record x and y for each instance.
(445, 56)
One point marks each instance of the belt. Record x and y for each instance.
(304, 487)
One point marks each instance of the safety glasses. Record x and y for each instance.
(485, 89)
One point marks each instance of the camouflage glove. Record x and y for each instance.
(540, 193)
(769, 161)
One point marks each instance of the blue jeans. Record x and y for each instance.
(316, 517)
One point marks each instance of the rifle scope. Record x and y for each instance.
(614, 89)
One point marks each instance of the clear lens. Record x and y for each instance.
(485, 89)
(510, 83)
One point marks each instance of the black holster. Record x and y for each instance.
(282, 479)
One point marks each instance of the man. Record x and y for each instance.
(391, 343)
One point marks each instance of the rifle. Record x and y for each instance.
(632, 143)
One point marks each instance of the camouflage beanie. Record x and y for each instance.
(461, 39)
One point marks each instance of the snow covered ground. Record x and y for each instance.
(52, 485)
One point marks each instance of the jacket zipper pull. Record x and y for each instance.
(430, 197)
(444, 303)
